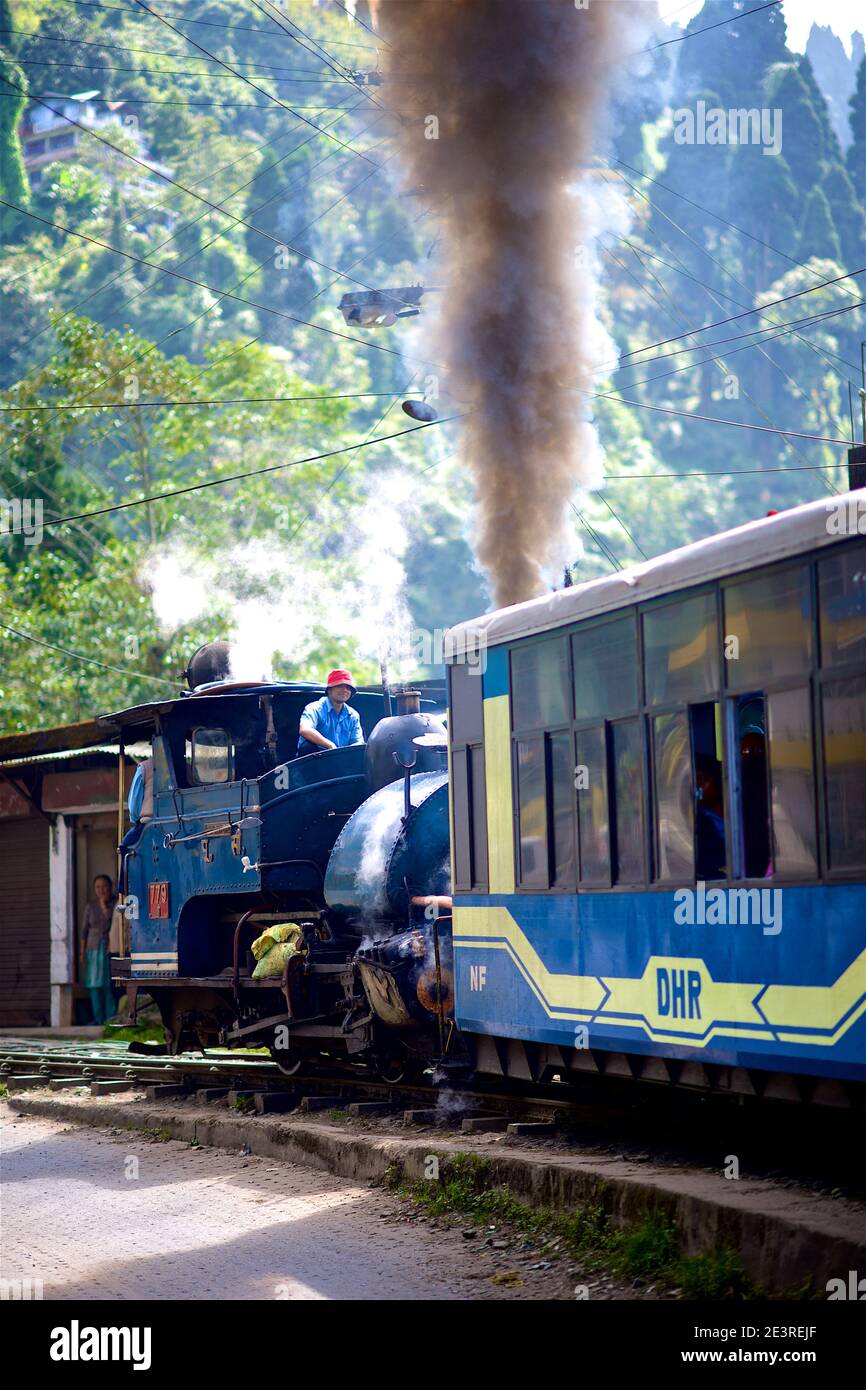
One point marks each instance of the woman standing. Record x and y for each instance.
(94, 948)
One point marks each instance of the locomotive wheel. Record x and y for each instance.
(393, 1069)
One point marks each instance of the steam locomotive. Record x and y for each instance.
(652, 809)
(347, 846)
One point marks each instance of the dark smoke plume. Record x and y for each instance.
(514, 90)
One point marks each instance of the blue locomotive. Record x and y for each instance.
(347, 849)
(646, 857)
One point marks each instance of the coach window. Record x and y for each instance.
(681, 676)
(675, 827)
(627, 817)
(768, 644)
(843, 704)
(768, 629)
(842, 607)
(466, 721)
(592, 806)
(792, 783)
(543, 770)
(532, 813)
(842, 636)
(609, 772)
(560, 771)
(681, 650)
(539, 685)
(605, 670)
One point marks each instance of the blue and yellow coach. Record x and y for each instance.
(658, 835)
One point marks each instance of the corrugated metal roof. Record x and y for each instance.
(137, 751)
(61, 737)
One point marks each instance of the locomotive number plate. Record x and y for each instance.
(157, 900)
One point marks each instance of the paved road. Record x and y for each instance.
(99, 1214)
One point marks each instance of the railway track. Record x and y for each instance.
(672, 1126)
(25, 1066)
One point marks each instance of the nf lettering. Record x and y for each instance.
(76, 1343)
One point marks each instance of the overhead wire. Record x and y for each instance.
(154, 171)
(322, 53)
(619, 519)
(719, 420)
(201, 284)
(731, 19)
(26, 63)
(380, 38)
(152, 52)
(216, 400)
(199, 250)
(783, 299)
(228, 67)
(713, 295)
(601, 545)
(719, 359)
(249, 473)
(819, 351)
(91, 661)
(210, 23)
(770, 336)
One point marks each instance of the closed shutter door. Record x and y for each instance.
(25, 964)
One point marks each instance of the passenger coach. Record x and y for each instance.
(658, 789)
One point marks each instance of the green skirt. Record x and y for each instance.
(97, 968)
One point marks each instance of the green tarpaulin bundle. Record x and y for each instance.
(274, 947)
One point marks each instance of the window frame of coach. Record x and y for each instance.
(720, 700)
(467, 778)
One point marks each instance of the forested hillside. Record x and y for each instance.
(195, 251)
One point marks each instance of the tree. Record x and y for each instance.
(14, 186)
(847, 214)
(832, 148)
(803, 132)
(817, 233)
(733, 59)
(7, 40)
(857, 149)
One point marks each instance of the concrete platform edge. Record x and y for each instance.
(781, 1250)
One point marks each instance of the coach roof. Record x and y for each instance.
(754, 544)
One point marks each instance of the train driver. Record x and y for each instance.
(331, 722)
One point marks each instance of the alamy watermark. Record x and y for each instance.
(22, 516)
(737, 126)
(846, 516)
(852, 1289)
(77, 1343)
(729, 907)
(464, 646)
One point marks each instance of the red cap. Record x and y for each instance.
(340, 678)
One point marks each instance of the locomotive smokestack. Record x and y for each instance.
(499, 105)
(408, 701)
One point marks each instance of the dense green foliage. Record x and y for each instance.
(119, 286)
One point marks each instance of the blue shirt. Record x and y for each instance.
(343, 729)
(136, 795)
